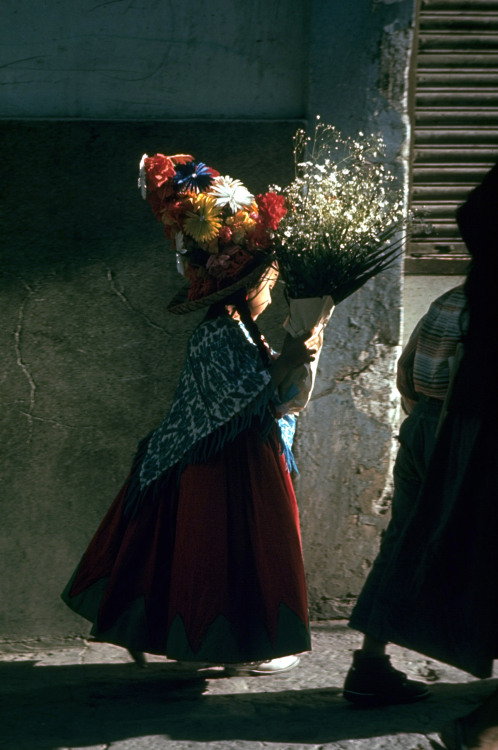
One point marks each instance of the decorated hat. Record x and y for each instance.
(221, 236)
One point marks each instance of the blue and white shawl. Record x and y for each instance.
(223, 386)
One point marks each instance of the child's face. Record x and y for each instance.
(259, 298)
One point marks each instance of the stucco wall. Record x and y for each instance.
(358, 79)
(90, 356)
(152, 59)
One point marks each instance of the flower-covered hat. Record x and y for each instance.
(221, 234)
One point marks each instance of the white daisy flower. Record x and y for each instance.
(232, 193)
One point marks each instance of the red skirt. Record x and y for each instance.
(209, 570)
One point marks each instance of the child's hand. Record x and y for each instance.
(298, 351)
(295, 352)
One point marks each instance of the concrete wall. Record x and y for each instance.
(359, 60)
(90, 356)
(151, 59)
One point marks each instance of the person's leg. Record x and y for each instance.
(138, 657)
(372, 679)
(373, 647)
(416, 440)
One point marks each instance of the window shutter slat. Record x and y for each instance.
(455, 123)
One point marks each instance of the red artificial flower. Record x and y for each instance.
(239, 258)
(181, 158)
(227, 266)
(258, 236)
(159, 169)
(201, 284)
(271, 209)
(218, 265)
(225, 235)
(173, 212)
(159, 199)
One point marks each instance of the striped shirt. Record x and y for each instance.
(425, 364)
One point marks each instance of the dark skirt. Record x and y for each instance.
(434, 588)
(209, 569)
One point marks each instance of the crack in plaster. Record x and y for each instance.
(343, 379)
(356, 373)
(59, 424)
(10, 63)
(110, 2)
(18, 333)
(124, 299)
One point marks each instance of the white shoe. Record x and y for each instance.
(271, 666)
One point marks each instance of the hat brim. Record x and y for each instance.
(180, 303)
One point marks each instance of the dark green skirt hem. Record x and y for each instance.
(221, 643)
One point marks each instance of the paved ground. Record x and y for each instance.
(82, 695)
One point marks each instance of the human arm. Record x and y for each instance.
(404, 373)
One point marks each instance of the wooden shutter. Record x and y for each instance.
(455, 123)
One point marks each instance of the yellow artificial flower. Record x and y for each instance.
(240, 223)
(203, 222)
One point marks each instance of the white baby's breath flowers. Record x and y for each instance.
(344, 217)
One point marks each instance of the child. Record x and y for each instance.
(199, 557)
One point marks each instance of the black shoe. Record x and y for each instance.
(373, 681)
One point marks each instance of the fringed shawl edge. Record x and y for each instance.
(202, 451)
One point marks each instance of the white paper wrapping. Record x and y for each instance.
(307, 314)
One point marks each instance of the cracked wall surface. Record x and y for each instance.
(345, 482)
(130, 59)
(90, 356)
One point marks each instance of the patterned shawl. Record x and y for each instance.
(223, 386)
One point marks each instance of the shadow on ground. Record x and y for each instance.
(50, 707)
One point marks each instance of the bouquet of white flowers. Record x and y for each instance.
(345, 223)
(345, 219)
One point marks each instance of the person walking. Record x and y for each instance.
(423, 378)
(199, 557)
(436, 592)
